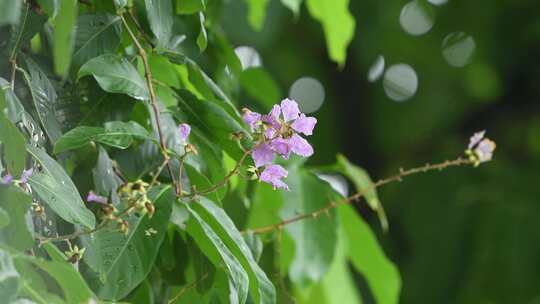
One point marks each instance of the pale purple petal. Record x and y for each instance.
(485, 150)
(251, 119)
(304, 124)
(270, 133)
(281, 146)
(276, 110)
(26, 174)
(184, 130)
(476, 138)
(289, 109)
(92, 197)
(272, 118)
(300, 146)
(273, 174)
(6, 179)
(262, 155)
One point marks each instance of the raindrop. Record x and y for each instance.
(438, 2)
(309, 93)
(458, 48)
(400, 82)
(376, 70)
(249, 57)
(416, 18)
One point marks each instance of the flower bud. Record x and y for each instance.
(123, 226)
(150, 208)
(191, 149)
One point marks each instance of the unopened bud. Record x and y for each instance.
(191, 149)
(150, 208)
(123, 226)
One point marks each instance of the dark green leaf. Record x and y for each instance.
(63, 28)
(368, 257)
(14, 145)
(115, 74)
(9, 277)
(338, 25)
(44, 97)
(77, 138)
(260, 86)
(16, 203)
(14, 108)
(160, 17)
(315, 239)
(50, 7)
(30, 23)
(55, 188)
(122, 262)
(96, 34)
(260, 286)
(105, 179)
(10, 11)
(190, 6)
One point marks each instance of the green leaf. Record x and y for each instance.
(202, 39)
(44, 97)
(261, 86)
(54, 187)
(16, 203)
(368, 257)
(363, 184)
(4, 218)
(338, 25)
(13, 143)
(190, 6)
(10, 11)
(160, 17)
(257, 13)
(9, 277)
(260, 286)
(115, 74)
(14, 109)
(216, 250)
(315, 239)
(54, 253)
(77, 138)
(96, 34)
(50, 7)
(30, 23)
(63, 32)
(293, 5)
(105, 179)
(122, 262)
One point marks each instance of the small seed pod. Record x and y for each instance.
(191, 149)
(150, 208)
(123, 226)
(107, 211)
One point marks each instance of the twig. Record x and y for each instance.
(158, 172)
(153, 100)
(181, 168)
(187, 288)
(355, 197)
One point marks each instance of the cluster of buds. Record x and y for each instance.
(136, 196)
(74, 254)
(480, 149)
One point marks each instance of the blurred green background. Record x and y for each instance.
(463, 235)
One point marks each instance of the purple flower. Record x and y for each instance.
(251, 118)
(184, 130)
(6, 179)
(262, 155)
(273, 174)
(476, 138)
(300, 146)
(93, 197)
(485, 150)
(281, 146)
(289, 109)
(26, 174)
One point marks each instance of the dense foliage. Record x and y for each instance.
(188, 196)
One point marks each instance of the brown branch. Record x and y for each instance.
(153, 100)
(355, 197)
(187, 288)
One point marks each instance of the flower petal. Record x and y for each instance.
(184, 130)
(304, 124)
(273, 174)
(300, 146)
(476, 138)
(26, 174)
(6, 179)
(289, 109)
(251, 119)
(281, 146)
(262, 155)
(93, 197)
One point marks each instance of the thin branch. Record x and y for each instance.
(153, 99)
(182, 160)
(187, 288)
(355, 197)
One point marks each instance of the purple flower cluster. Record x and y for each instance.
(8, 178)
(279, 132)
(480, 149)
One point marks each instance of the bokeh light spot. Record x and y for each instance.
(458, 49)
(438, 2)
(309, 93)
(249, 57)
(417, 18)
(376, 70)
(400, 82)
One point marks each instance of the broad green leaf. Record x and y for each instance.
(293, 5)
(122, 262)
(160, 17)
(96, 34)
(9, 277)
(257, 13)
(54, 253)
(4, 218)
(202, 39)
(265, 206)
(338, 25)
(44, 97)
(16, 203)
(63, 32)
(77, 138)
(13, 145)
(105, 179)
(315, 239)
(13, 107)
(115, 74)
(29, 25)
(10, 11)
(54, 187)
(368, 257)
(216, 250)
(190, 6)
(261, 86)
(260, 286)
(363, 183)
